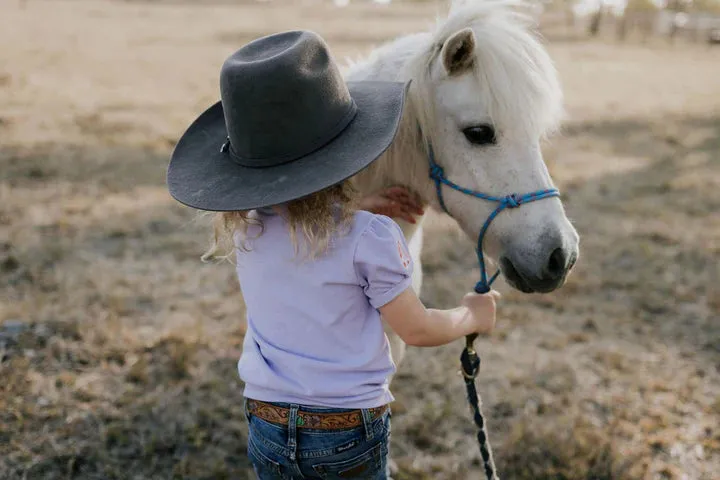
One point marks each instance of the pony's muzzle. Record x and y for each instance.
(538, 273)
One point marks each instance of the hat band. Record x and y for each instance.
(267, 162)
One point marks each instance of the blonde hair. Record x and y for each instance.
(316, 219)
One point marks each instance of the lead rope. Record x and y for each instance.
(470, 362)
(469, 359)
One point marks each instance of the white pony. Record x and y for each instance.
(483, 93)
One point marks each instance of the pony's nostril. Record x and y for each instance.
(556, 264)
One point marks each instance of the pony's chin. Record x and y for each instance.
(519, 285)
(516, 281)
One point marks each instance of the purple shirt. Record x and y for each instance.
(314, 335)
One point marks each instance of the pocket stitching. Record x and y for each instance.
(254, 451)
(373, 454)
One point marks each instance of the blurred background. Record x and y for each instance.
(118, 347)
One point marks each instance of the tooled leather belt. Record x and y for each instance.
(321, 421)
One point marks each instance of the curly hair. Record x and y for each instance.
(312, 220)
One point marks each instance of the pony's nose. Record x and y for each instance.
(542, 276)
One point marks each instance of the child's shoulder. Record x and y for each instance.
(380, 246)
(365, 223)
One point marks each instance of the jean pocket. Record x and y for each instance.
(367, 465)
(265, 468)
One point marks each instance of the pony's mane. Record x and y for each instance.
(516, 78)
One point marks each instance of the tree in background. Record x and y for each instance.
(596, 20)
(638, 13)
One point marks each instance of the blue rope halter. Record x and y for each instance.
(470, 360)
(509, 201)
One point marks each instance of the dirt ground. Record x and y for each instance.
(118, 347)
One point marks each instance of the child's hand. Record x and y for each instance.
(482, 310)
(394, 202)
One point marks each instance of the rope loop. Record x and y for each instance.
(470, 363)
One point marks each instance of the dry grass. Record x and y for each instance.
(118, 347)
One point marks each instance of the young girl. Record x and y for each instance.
(317, 275)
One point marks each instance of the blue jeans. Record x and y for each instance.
(291, 453)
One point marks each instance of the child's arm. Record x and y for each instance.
(423, 327)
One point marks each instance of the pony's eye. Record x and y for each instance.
(480, 135)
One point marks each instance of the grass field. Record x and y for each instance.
(118, 347)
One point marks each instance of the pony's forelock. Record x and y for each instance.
(517, 79)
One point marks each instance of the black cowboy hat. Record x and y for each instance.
(288, 125)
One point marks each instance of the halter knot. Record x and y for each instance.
(512, 201)
(482, 287)
(436, 172)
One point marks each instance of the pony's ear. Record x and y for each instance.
(458, 52)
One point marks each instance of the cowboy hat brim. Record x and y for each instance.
(203, 177)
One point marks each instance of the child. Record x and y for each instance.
(274, 157)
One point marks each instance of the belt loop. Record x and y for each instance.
(292, 430)
(367, 423)
(246, 409)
